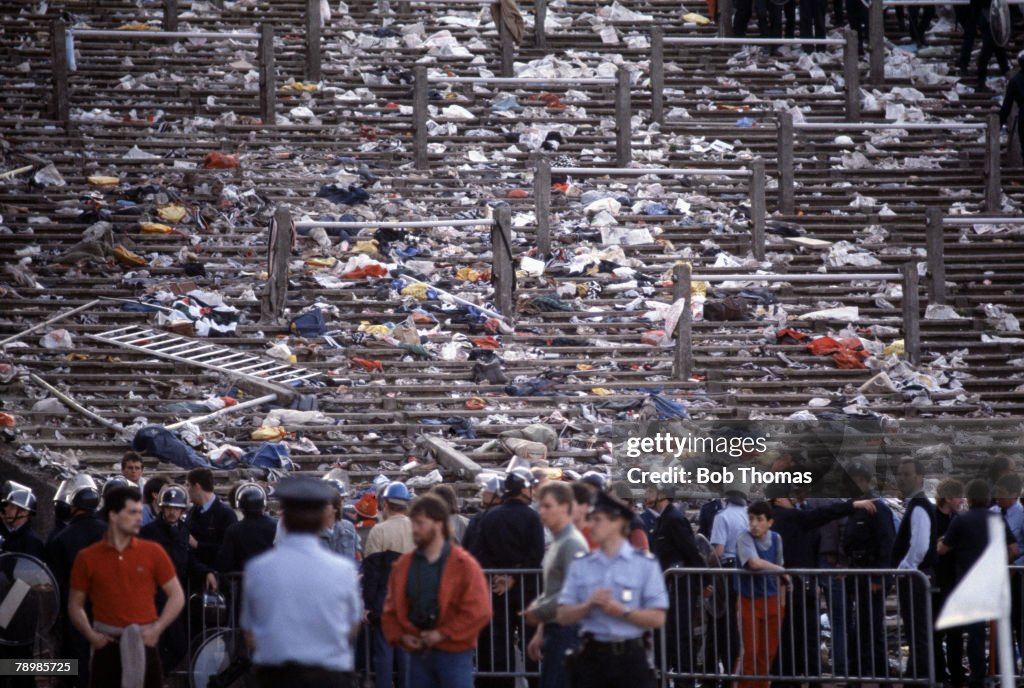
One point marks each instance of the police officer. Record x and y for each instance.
(490, 497)
(170, 532)
(17, 537)
(251, 536)
(82, 530)
(16, 533)
(617, 595)
(511, 537)
(302, 635)
(674, 544)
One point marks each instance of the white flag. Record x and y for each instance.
(984, 593)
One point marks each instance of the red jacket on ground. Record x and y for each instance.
(463, 601)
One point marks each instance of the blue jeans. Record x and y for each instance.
(384, 658)
(557, 641)
(437, 669)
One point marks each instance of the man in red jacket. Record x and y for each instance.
(438, 602)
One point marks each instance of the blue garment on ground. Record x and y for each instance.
(158, 441)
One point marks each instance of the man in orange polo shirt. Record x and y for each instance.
(120, 575)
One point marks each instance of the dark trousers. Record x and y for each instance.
(723, 647)
(976, 635)
(74, 646)
(801, 629)
(812, 21)
(920, 19)
(988, 49)
(296, 676)
(497, 645)
(866, 654)
(913, 594)
(838, 13)
(949, 647)
(857, 14)
(967, 19)
(558, 640)
(775, 14)
(744, 8)
(608, 670)
(105, 669)
(683, 598)
(24, 653)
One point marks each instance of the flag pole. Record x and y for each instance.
(1004, 642)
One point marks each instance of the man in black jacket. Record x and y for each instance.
(82, 530)
(673, 543)
(867, 541)
(801, 628)
(208, 519)
(251, 536)
(170, 532)
(511, 537)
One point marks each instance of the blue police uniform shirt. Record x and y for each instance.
(300, 603)
(728, 524)
(635, 580)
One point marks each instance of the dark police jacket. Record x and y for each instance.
(250, 537)
(22, 541)
(174, 540)
(83, 530)
(799, 543)
(868, 538)
(208, 529)
(672, 540)
(511, 536)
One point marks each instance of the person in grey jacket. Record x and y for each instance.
(552, 640)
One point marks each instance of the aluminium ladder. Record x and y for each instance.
(257, 369)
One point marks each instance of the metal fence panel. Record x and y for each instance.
(823, 626)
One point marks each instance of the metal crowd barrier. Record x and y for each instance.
(849, 626)
(879, 627)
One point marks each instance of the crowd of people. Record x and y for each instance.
(779, 19)
(451, 600)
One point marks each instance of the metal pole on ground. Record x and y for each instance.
(170, 22)
(911, 314)
(993, 183)
(503, 275)
(266, 67)
(623, 120)
(936, 258)
(419, 116)
(876, 42)
(59, 59)
(542, 205)
(757, 206)
(313, 71)
(682, 362)
(851, 76)
(787, 169)
(658, 74)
